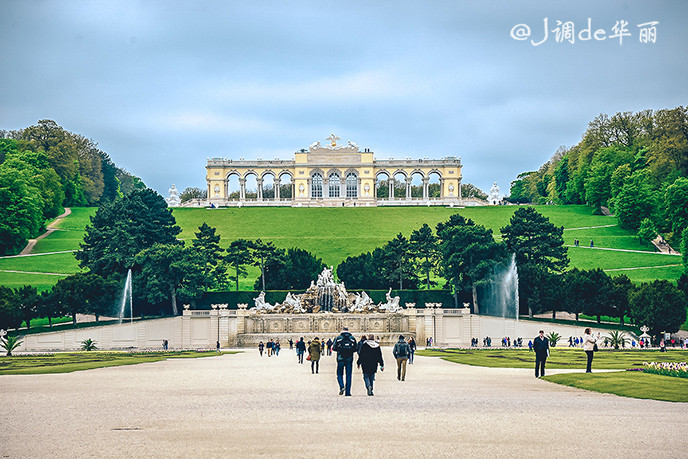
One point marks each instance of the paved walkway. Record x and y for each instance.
(49, 229)
(246, 406)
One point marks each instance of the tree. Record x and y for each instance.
(538, 245)
(647, 231)
(85, 293)
(207, 247)
(469, 190)
(684, 249)
(397, 263)
(659, 305)
(27, 300)
(262, 253)
(169, 271)
(291, 270)
(9, 344)
(469, 252)
(621, 289)
(361, 272)
(9, 315)
(635, 202)
(425, 250)
(239, 254)
(190, 193)
(598, 294)
(676, 202)
(120, 230)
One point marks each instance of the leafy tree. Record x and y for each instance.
(576, 287)
(425, 249)
(659, 305)
(239, 254)
(86, 293)
(190, 193)
(676, 202)
(291, 270)
(538, 245)
(361, 272)
(121, 229)
(397, 263)
(647, 230)
(682, 284)
(9, 315)
(598, 300)
(169, 271)
(27, 299)
(684, 249)
(469, 190)
(469, 252)
(49, 306)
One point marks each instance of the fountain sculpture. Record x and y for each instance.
(326, 295)
(127, 299)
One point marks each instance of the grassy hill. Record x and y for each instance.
(336, 233)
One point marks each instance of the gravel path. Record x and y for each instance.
(246, 406)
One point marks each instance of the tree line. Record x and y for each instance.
(465, 255)
(44, 168)
(636, 164)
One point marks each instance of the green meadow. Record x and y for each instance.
(334, 234)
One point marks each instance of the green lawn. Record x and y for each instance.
(334, 234)
(77, 361)
(634, 384)
(560, 358)
(42, 282)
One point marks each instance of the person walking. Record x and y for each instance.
(268, 347)
(314, 351)
(401, 353)
(412, 346)
(589, 346)
(217, 346)
(345, 347)
(261, 346)
(276, 348)
(541, 348)
(300, 349)
(369, 357)
(329, 347)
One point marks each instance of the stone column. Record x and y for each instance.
(214, 326)
(186, 327)
(426, 183)
(241, 318)
(408, 187)
(390, 192)
(242, 189)
(224, 325)
(276, 185)
(259, 193)
(442, 188)
(326, 187)
(459, 193)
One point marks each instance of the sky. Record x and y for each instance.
(163, 85)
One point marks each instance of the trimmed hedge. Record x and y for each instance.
(420, 297)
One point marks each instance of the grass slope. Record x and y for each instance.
(334, 234)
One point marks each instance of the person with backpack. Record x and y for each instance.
(401, 353)
(345, 347)
(314, 353)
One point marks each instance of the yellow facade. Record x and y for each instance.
(334, 175)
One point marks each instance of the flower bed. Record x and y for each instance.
(678, 369)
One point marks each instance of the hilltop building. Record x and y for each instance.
(335, 175)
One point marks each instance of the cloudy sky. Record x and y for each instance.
(163, 85)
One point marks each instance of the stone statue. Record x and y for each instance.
(392, 304)
(494, 194)
(173, 200)
(315, 146)
(261, 305)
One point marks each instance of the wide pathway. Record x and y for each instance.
(246, 406)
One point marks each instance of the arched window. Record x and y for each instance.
(351, 186)
(335, 185)
(316, 186)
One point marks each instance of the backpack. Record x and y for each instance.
(401, 350)
(346, 346)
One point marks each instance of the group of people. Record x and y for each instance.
(541, 348)
(271, 348)
(576, 243)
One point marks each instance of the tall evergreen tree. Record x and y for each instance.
(425, 249)
(239, 255)
(538, 245)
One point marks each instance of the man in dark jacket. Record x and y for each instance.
(541, 348)
(300, 350)
(401, 353)
(369, 355)
(345, 347)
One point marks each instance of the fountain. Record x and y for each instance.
(326, 295)
(499, 295)
(127, 295)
